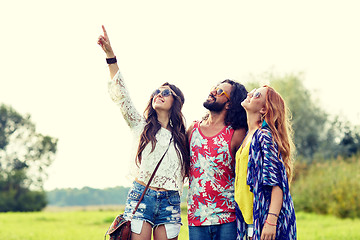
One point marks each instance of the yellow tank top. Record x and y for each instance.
(243, 197)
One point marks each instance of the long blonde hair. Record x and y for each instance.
(278, 116)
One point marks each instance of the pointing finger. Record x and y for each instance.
(105, 33)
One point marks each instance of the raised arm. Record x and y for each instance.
(117, 89)
(104, 42)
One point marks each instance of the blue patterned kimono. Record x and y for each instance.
(266, 170)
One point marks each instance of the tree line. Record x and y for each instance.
(88, 196)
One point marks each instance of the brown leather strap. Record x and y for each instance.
(151, 178)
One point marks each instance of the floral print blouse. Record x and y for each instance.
(211, 182)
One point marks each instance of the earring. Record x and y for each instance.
(171, 123)
(262, 118)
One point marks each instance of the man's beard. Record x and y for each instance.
(214, 106)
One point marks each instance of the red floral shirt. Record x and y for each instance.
(211, 181)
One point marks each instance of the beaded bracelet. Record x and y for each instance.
(273, 214)
(271, 224)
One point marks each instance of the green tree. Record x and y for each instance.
(24, 158)
(342, 138)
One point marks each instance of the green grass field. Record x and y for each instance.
(92, 223)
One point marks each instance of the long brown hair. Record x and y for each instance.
(277, 116)
(177, 123)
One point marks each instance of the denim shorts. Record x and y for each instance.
(156, 208)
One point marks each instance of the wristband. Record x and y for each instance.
(271, 224)
(273, 214)
(111, 60)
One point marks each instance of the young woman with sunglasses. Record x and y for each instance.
(265, 210)
(162, 124)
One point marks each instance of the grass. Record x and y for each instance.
(318, 227)
(92, 223)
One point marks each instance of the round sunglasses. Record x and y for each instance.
(254, 93)
(220, 91)
(164, 93)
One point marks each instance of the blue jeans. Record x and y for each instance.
(226, 231)
(156, 208)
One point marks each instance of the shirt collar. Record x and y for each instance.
(264, 124)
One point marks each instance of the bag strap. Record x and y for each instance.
(151, 178)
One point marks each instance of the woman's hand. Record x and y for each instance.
(269, 229)
(104, 42)
(268, 232)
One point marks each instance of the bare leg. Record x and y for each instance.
(160, 233)
(145, 233)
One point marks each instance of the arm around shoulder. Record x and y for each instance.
(190, 129)
(237, 139)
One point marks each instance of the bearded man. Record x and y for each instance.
(213, 144)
